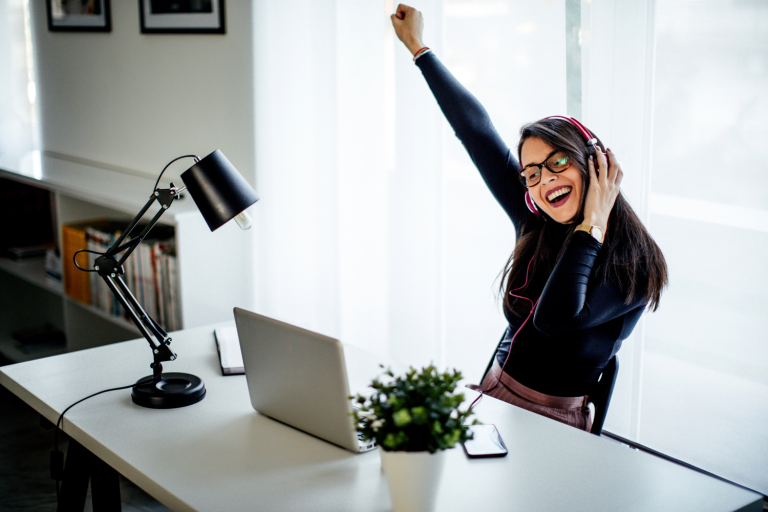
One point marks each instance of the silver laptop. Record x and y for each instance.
(298, 377)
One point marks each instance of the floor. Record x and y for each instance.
(25, 447)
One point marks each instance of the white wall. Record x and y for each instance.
(137, 101)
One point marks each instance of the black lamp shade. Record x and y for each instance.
(219, 191)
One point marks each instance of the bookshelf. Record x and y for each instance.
(33, 272)
(83, 191)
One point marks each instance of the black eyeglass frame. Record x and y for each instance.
(543, 164)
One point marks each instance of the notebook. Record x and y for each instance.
(299, 378)
(230, 358)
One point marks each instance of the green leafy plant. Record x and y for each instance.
(418, 411)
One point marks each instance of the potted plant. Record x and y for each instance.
(413, 418)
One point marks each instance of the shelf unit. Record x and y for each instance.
(28, 298)
(32, 271)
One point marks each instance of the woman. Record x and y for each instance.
(583, 269)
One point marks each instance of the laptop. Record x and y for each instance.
(298, 377)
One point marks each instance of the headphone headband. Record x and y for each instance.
(583, 129)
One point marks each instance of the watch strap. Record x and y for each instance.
(594, 231)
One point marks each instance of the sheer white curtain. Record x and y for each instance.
(681, 94)
(373, 224)
(376, 228)
(706, 364)
(617, 55)
(17, 86)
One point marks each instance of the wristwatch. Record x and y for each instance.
(595, 231)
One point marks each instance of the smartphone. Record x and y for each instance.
(486, 442)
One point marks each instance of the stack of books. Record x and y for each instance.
(150, 271)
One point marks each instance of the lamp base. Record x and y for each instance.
(171, 391)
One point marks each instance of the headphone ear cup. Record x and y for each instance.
(530, 204)
(592, 152)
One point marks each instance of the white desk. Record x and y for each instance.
(220, 454)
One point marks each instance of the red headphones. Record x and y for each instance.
(591, 150)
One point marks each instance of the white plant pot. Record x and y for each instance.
(413, 479)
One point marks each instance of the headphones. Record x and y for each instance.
(592, 149)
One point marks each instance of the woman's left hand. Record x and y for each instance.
(603, 189)
(409, 27)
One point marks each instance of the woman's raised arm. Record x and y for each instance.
(468, 118)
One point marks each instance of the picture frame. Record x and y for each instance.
(79, 16)
(182, 16)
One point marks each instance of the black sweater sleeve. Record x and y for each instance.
(572, 299)
(473, 127)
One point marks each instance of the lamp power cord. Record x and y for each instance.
(57, 457)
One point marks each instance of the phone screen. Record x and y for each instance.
(486, 442)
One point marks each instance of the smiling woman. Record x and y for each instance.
(584, 268)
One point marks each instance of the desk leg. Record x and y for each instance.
(74, 484)
(82, 466)
(105, 487)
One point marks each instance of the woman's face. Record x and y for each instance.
(558, 194)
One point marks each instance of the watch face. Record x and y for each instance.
(597, 233)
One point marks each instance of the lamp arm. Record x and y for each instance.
(165, 197)
(159, 195)
(111, 270)
(114, 248)
(129, 243)
(144, 322)
(140, 238)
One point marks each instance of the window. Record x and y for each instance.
(378, 229)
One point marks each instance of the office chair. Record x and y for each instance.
(600, 396)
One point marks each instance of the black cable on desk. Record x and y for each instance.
(57, 458)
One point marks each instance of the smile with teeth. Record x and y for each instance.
(559, 193)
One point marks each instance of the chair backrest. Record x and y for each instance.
(601, 395)
(493, 357)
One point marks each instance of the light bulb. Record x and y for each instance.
(244, 220)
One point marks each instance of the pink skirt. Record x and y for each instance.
(571, 410)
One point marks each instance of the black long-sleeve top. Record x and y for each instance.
(580, 321)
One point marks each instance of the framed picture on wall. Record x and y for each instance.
(79, 16)
(182, 16)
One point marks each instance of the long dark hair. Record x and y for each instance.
(629, 256)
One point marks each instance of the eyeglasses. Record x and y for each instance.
(557, 161)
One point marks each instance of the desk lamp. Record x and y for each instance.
(221, 194)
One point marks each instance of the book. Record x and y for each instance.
(76, 283)
(99, 240)
(173, 289)
(228, 345)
